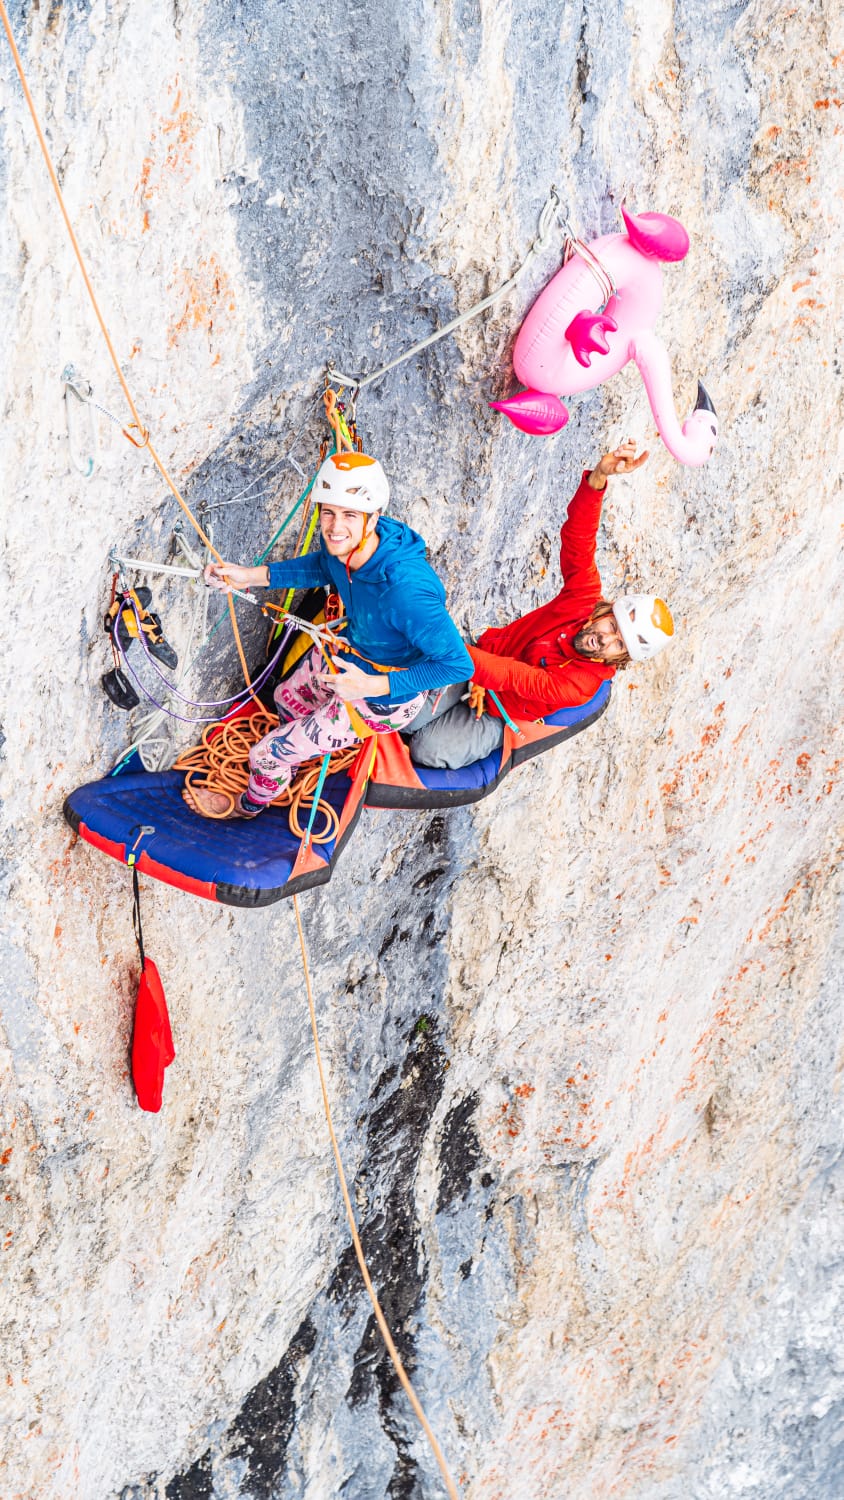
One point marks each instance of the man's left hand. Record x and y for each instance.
(622, 460)
(477, 699)
(350, 682)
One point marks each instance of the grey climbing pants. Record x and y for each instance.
(446, 734)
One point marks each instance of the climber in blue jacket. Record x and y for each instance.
(403, 641)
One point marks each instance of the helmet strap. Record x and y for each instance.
(361, 543)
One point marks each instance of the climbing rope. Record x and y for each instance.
(220, 763)
(574, 244)
(393, 1352)
(141, 438)
(549, 216)
(345, 437)
(137, 434)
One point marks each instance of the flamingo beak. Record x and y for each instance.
(703, 402)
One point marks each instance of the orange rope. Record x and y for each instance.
(306, 515)
(136, 422)
(220, 763)
(333, 417)
(230, 770)
(393, 1352)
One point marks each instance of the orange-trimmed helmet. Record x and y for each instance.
(645, 623)
(354, 481)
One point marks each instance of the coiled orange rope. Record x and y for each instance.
(220, 763)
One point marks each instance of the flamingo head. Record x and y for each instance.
(700, 430)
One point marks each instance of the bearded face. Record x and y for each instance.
(600, 639)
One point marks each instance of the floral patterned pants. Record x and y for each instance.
(312, 721)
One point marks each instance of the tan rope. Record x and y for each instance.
(220, 763)
(232, 771)
(393, 1352)
(143, 439)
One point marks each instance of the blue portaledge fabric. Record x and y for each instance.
(247, 858)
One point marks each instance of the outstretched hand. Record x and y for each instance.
(226, 576)
(621, 460)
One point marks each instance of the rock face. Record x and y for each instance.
(582, 1040)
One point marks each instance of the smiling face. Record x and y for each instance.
(343, 530)
(600, 639)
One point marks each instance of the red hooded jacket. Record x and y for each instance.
(531, 665)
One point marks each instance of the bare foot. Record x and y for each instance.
(208, 804)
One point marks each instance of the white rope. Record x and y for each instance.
(548, 217)
(593, 264)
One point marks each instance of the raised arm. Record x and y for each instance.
(579, 532)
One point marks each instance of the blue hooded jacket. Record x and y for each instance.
(395, 606)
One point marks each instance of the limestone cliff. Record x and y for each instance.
(583, 1040)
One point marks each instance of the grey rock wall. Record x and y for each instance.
(583, 1039)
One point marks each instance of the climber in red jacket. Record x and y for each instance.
(558, 655)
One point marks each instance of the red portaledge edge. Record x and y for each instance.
(147, 866)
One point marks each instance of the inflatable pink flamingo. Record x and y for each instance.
(596, 314)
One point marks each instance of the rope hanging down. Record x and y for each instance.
(549, 216)
(136, 426)
(451, 1488)
(139, 436)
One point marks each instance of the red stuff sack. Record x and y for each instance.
(152, 1039)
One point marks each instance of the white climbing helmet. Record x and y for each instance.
(354, 481)
(645, 624)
